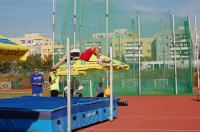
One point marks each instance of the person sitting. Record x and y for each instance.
(99, 90)
(120, 102)
(107, 92)
(78, 92)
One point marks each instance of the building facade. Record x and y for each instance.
(164, 48)
(125, 46)
(196, 43)
(41, 44)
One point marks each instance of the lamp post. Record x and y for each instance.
(174, 44)
(139, 48)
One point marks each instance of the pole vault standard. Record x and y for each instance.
(111, 64)
(74, 24)
(111, 84)
(107, 28)
(53, 24)
(68, 87)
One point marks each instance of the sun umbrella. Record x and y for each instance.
(93, 64)
(61, 71)
(10, 51)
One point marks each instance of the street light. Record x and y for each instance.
(174, 44)
(139, 47)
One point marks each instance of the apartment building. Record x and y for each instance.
(125, 45)
(164, 48)
(41, 44)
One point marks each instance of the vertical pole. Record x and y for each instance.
(90, 88)
(107, 47)
(197, 48)
(163, 44)
(53, 24)
(174, 43)
(68, 88)
(139, 48)
(74, 24)
(189, 21)
(80, 24)
(132, 22)
(111, 85)
(107, 27)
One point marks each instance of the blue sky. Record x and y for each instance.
(21, 16)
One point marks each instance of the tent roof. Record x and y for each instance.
(10, 50)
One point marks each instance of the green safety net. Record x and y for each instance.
(156, 73)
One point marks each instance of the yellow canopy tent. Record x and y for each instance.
(92, 64)
(10, 51)
(61, 71)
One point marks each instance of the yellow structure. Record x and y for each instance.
(80, 66)
(9, 50)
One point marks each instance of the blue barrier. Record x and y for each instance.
(105, 108)
(30, 113)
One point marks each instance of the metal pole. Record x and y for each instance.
(111, 85)
(197, 48)
(74, 24)
(80, 24)
(53, 30)
(174, 43)
(107, 27)
(162, 28)
(139, 48)
(189, 21)
(68, 88)
(90, 88)
(107, 47)
(132, 22)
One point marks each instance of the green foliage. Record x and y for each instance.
(5, 66)
(123, 59)
(47, 62)
(146, 58)
(32, 61)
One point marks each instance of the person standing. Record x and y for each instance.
(37, 81)
(54, 83)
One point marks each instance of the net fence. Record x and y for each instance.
(142, 39)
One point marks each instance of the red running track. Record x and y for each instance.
(154, 114)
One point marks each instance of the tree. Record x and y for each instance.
(146, 58)
(32, 61)
(47, 62)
